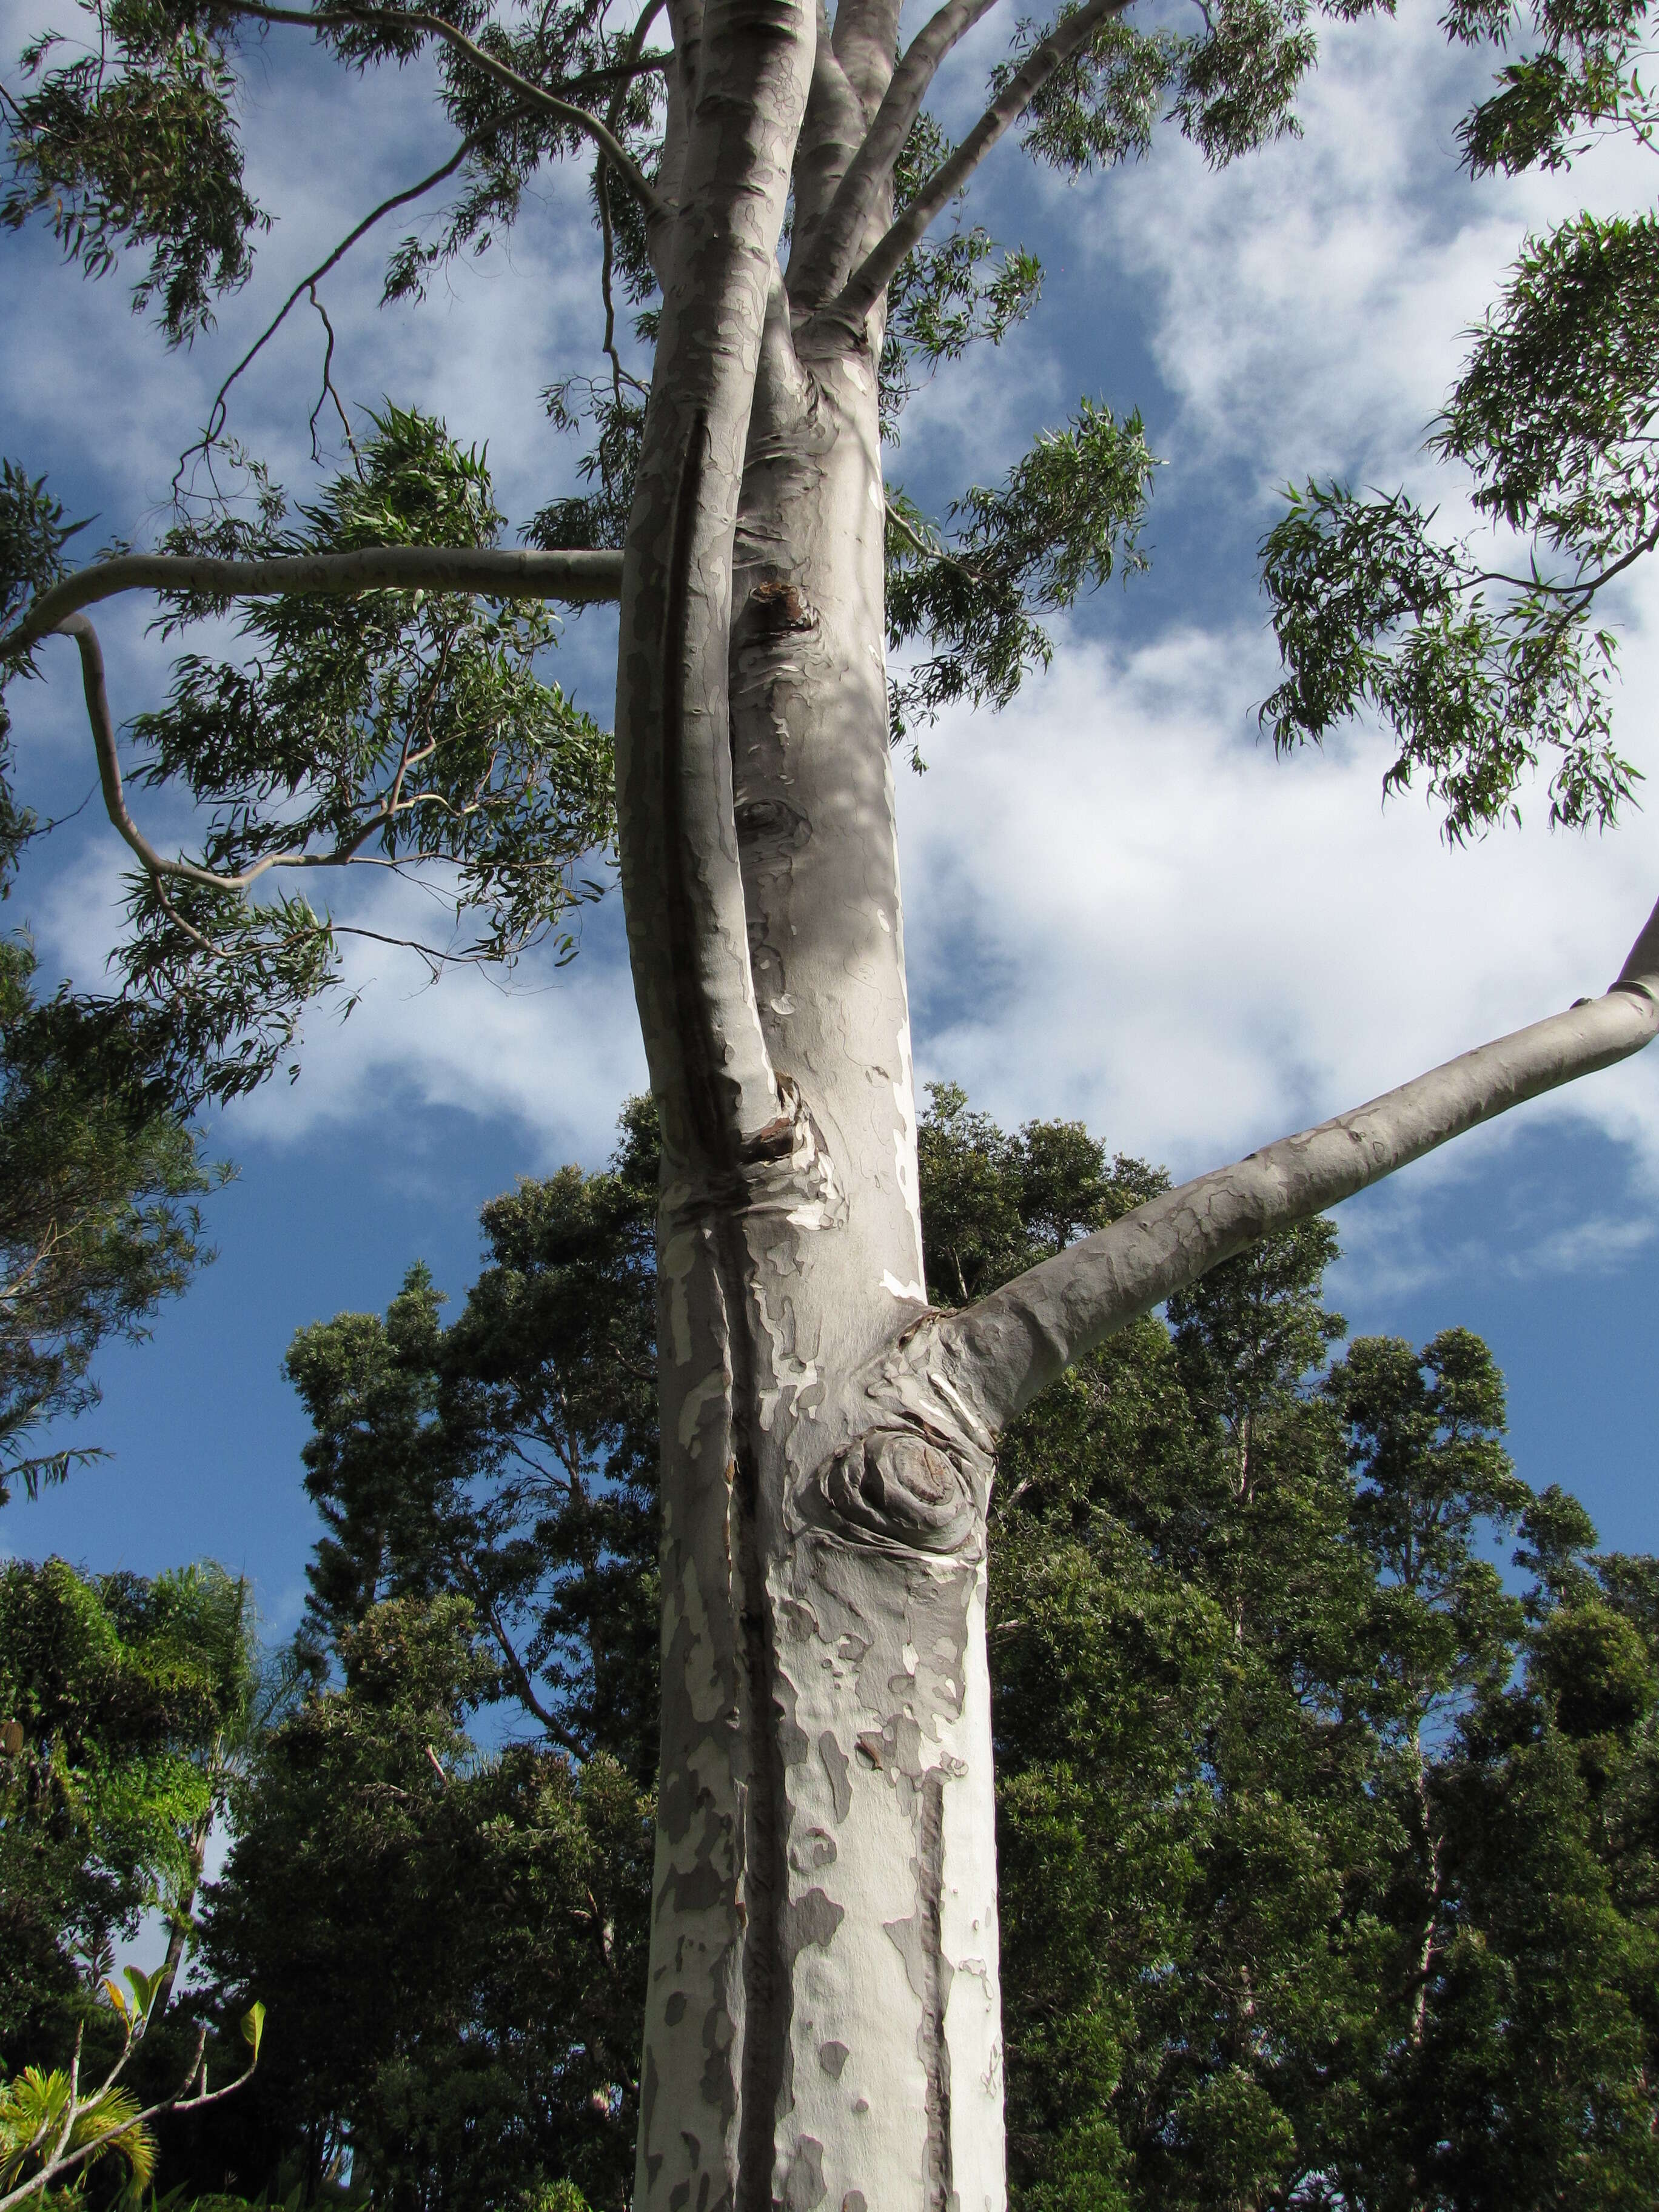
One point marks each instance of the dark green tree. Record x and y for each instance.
(118, 1698)
(98, 1223)
(458, 2003)
(452, 1942)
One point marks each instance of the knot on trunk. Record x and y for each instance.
(774, 609)
(893, 1483)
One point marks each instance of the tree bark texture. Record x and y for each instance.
(823, 2023)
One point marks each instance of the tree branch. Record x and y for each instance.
(1012, 1345)
(345, 850)
(868, 282)
(216, 422)
(480, 57)
(831, 249)
(577, 579)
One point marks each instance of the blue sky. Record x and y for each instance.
(1119, 907)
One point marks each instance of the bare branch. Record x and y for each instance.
(576, 579)
(328, 390)
(1012, 1344)
(79, 627)
(829, 252)
(216, 422)
(63, 2162)
(523, 1688)
(535, 94)
(882, 263)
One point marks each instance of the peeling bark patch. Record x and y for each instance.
(832, 2057)
(817, 1849)
(776, 608)
(700, 1889)
(835, 1766)
(853, 2200)
(813, 1918)
(805, 2189)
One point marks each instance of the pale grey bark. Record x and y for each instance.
(577, 579)
(865, 287)
(1014, 1343)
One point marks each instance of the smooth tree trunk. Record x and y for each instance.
(822, 2015)
(821, 2012)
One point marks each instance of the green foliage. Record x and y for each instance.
(1100, 105)
(1231, 86)
(1373, 613)
(511, 1457)
(459, 1997)
(1580, 77)
(33, 535)
(1069, 514)
(451, 1945)
(117, 1694)
(599, 517)
(96, 1223)
(1553, 411)
(407, 728)
(35, 2107)
(131, 142)
(1481, 666)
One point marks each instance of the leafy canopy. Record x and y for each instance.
(1484, 660)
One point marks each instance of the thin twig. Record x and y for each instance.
(328, 392)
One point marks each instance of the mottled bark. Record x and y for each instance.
(822, 2021)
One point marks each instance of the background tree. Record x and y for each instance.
(118, 1694)
(98, 1174)
(1268, 1728)
(824, 1913)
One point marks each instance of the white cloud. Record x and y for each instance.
(1126, 911)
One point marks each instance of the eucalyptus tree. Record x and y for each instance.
(774, 200)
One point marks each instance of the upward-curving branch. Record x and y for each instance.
(871, 279)
(1012, 1344)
